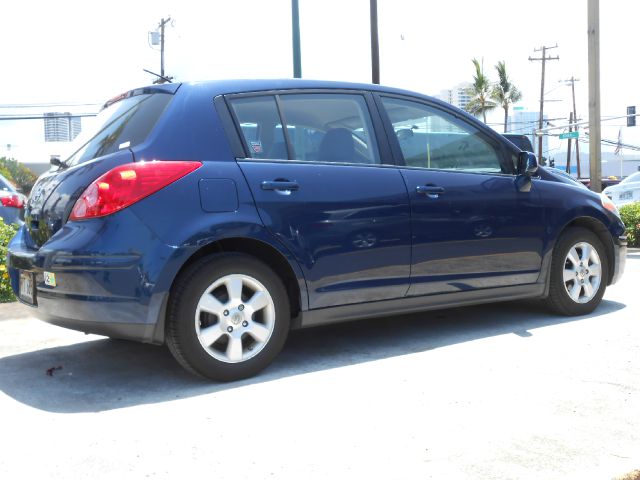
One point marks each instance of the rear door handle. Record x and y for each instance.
(430, 191)
(280, 185)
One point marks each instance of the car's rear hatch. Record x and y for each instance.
(125, 122)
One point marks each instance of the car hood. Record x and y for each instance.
(550, 173)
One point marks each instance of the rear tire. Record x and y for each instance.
(579, 272)
(228, 317)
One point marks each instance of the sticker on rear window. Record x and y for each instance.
(124, 145)
(256, 146)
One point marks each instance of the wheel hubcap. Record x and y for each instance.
(582, 272)
(234, 318)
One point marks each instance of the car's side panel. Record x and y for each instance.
(407, 305)
(480, 233)
(346, 225)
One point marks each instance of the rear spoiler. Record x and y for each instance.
(169, 88)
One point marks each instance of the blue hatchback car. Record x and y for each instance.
(214, 217)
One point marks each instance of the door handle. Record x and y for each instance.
(430, 191)
(280, 185)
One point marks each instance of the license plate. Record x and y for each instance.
(27, 291)
(626, 195)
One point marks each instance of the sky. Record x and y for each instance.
(69, 52)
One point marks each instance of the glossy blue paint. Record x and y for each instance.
(351, 234)
(347, 226)
(218, 195)
(480, 232)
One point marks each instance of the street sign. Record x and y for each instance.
(518, 108)
(564, 136)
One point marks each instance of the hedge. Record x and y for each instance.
(630, 214)
(6, 234)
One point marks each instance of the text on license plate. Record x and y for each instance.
(26, 287)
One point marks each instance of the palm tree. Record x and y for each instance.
(504, 92)
(480, 92)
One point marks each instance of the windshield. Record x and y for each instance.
(121, 125)
(632, 178)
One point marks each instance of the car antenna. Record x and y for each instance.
(160, 77)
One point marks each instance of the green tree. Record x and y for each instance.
(480, 92)
(505, 93)
(18, 174)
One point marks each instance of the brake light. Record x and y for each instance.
(15, 201)
(126, 185)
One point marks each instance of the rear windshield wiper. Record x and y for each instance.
(161, 78)
(56, 162)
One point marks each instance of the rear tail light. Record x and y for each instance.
(16, 201)
(127, 184)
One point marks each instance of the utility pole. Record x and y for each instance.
(544, 59)
(295, 37)
(595, 133)
(375, 48)
(568, 167)
(161, 25)
(575, 119)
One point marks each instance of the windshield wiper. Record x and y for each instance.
(56, 162)
(160, 77)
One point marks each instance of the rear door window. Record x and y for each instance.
(260, 126)
(330, 127)
(123, 124)
(318, 127)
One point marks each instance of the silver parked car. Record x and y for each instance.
(627, 191)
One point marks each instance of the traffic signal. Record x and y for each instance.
(631, 121)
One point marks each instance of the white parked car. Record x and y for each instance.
(627, 191)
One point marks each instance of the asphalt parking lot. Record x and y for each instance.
(503, 391)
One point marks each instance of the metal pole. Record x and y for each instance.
(595, 133)
(295, 37)
(544, 58)
(568, 167)
(575, 119)
(162, 22)
(375, 48)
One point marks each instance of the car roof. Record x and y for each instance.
(222, 87)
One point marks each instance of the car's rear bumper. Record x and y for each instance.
(619, 258)
(100, 287)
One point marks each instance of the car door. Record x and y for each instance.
(315, 169)
(472, 228)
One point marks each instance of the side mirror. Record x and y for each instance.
(527, 167)
(527, 163)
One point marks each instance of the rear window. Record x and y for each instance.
(121, 125)
(5, 185)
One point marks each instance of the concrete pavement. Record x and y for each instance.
(503, 391)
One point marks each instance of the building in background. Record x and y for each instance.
(525, 123)
(61, 127)
(457, 96)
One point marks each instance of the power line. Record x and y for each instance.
(47, 105)
(43, 116)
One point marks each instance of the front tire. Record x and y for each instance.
(228, 317)
(579, 272)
